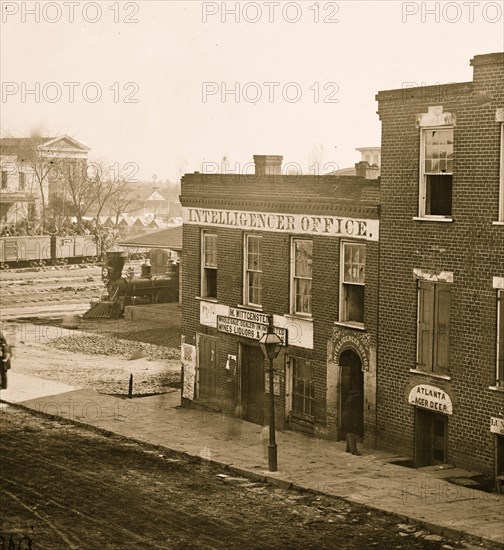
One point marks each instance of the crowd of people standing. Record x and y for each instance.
(61, 230)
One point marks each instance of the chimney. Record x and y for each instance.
(268, 165)
(364, 170)
(488, 77)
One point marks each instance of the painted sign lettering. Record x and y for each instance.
(284, 223)
(359, 343)
(431, 398)
(300, 331)
(247, 329)
(497, 425)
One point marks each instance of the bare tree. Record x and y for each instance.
(106, 184)
(32, 157)
(122, 202)
(95, 185)
(59, 209)
(80, 186)
(113, 196)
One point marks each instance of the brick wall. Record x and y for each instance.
(328, 196)
(470, 246)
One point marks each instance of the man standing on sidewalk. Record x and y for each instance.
(4, 361)
(352, 413)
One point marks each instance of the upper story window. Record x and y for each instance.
(433, 324)
(209, 265)
(4, 179)
(353, 276)
(253, 270)
(22, 181)
(436, 172)
(500, 338)
(301, 276)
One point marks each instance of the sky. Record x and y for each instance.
(170, 87)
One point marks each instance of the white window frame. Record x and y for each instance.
(501, 180)
(294, 278)
(247, 270)
(204, 267)
(343, 313)
(292, 360)
(422, 199)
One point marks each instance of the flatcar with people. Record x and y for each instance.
(41, 250)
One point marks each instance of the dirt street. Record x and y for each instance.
(34, 355)
(68, 487)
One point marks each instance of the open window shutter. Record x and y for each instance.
(500, 337)
(425, 322)
(441, 336)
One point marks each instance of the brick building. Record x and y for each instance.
(441, 295)
(304, 250)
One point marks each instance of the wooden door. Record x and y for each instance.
(207, 367)
(252, 384)
(351, 378)
(431, 436)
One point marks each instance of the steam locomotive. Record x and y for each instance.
(131, 290)
(40, 250)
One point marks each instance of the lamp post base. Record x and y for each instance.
(272, 457)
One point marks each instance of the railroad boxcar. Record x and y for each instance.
(21, 251)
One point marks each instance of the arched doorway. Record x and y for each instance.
(351, 379)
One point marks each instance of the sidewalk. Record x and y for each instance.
(305, 462)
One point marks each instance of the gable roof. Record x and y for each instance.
(143, 193)
(156, 195)
(170, 238)
(16, 145)
(76, 144)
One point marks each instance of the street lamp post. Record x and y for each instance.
(270, 345)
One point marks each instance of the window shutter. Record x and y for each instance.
(500, 337)
(425, 322)
(441, 335)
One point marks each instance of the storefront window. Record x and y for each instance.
(302, 386)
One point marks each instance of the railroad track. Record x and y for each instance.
(25, 289)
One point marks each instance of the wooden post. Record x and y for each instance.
(130, 389)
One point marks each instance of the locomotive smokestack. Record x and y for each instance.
(115, 264)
